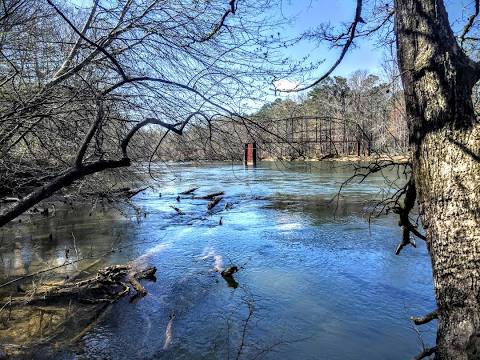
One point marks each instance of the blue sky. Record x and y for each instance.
(366, 56)
(306, 14)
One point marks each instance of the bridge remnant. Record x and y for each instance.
(250, 154)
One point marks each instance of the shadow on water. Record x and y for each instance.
(312, 283)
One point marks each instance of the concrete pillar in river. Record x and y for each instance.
(250, 154)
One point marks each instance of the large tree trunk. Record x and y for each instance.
(438, 79)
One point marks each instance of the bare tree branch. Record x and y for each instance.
(73, 51)
(94, 44)
(217, 27)
(352, 33)
(470, 22)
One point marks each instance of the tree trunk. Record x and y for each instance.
(438, 79)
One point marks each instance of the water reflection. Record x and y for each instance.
(313, 283)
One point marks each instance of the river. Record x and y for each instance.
(315, 280)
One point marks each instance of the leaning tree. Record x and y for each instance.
(438, 79)
(82, 87)
(439, 73)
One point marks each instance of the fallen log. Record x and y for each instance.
(66, 263)
(209, 196)
(69, 303)
(214, 202)
(188, 192)
(106, 286)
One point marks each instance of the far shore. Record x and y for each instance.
(399, 158)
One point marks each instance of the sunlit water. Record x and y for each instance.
(313, 284)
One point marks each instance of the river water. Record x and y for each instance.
(314, 282)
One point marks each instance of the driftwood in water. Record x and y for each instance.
(188, 192)
(209, 196)
(214, 202)
(106, 286)
(179, 212)
(228, 272)
(227, 275)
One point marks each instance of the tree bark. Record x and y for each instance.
(445, 135)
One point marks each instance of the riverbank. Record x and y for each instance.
(398, 158)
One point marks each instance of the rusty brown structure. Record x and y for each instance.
(314, 137)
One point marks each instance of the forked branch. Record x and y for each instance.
(232, 7)
(403, 212)
(470, 21)
(351, 36)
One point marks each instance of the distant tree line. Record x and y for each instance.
(359, 115)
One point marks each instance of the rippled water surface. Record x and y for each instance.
(312, 284)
